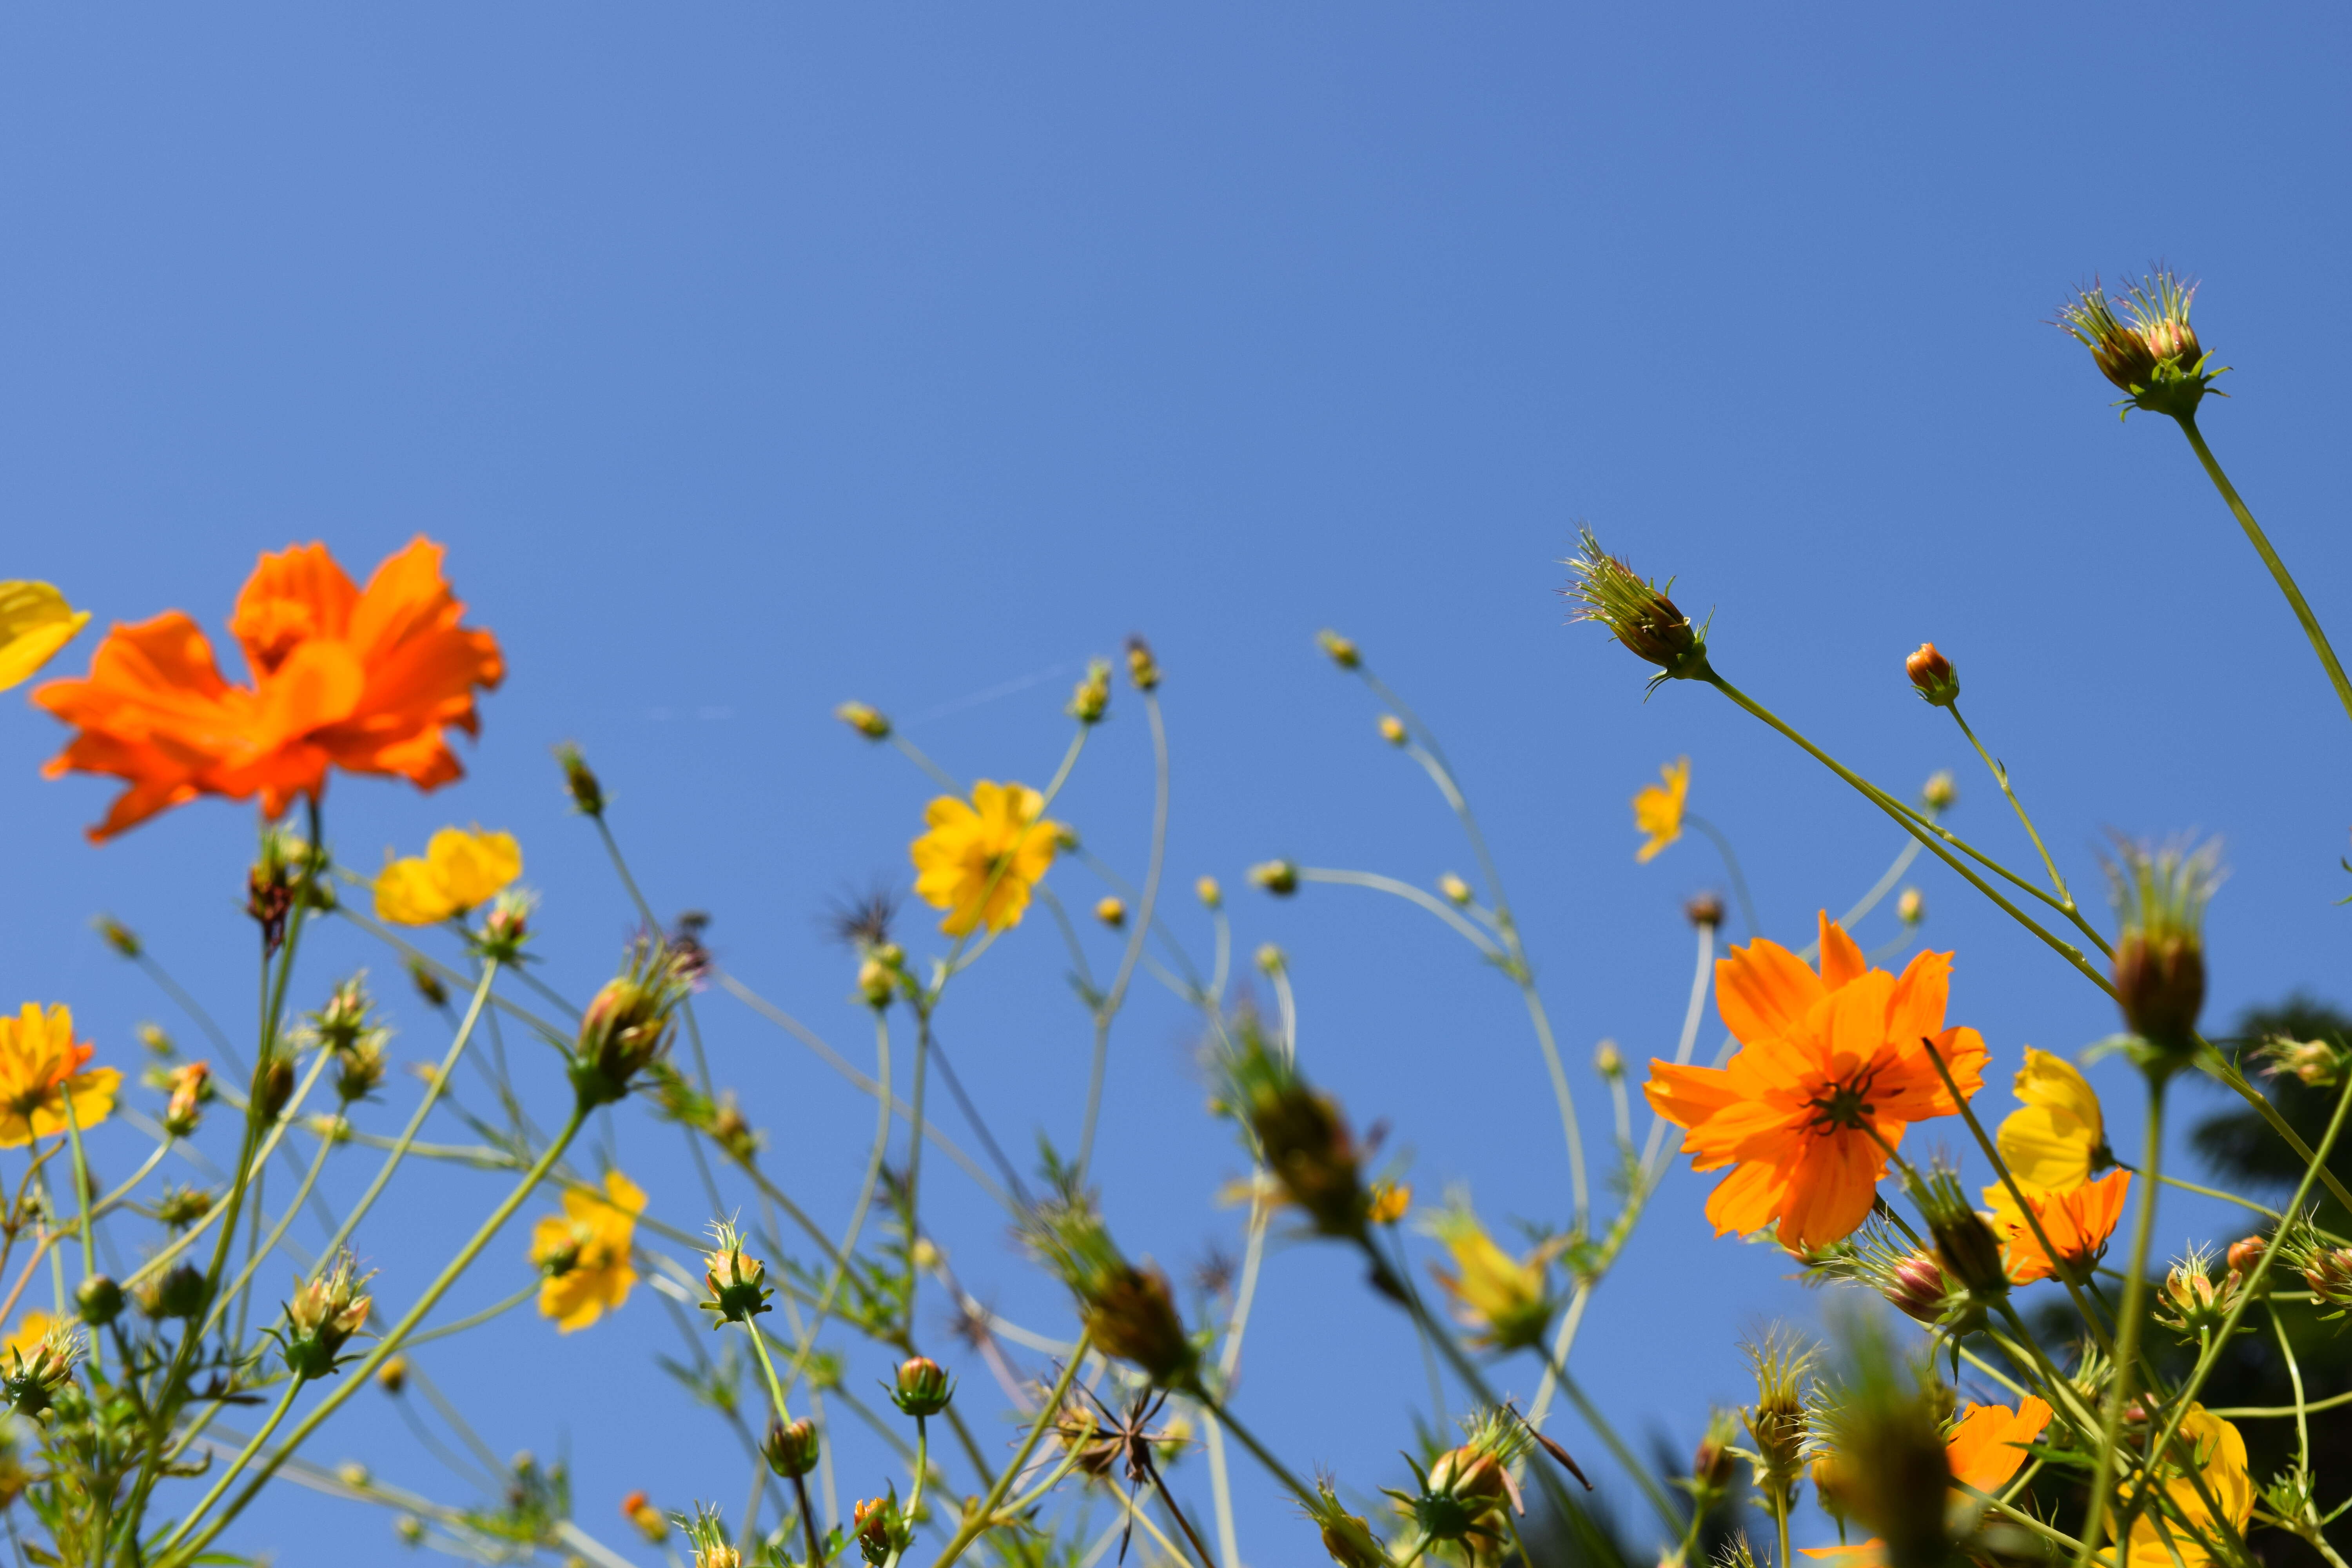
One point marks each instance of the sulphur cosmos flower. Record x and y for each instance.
(460, 867)
(2058, 1137)
(40, 1075)
(30, 1330)
(980, 857)
(582, 1254)
(35, 621)
(2077, 1222)
(1658, 809)
(2218, 1452)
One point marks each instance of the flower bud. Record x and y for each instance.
(1910, 907)
(392, 1375)
(409, 1528)
(1339, 649)
(877, 982)
(580, 781)
(881, 1530)
(1141, 668)
(178, 1292)
(1112, 910)
(1279, 878)
(1931, 676)
(1091, 698)
(504, 927)
(1132, 1316)
(1914, 1286)
(1458, 892)
(428, 985)
(354, 1475)
(2244, 1255)
(1832, 1487)
(1966, 1248)
(98, 1301)
(791, 1447)
(923, 1387)
(735, 1281)
(1211, 893)
(2329, 1275)
(2191, 1302)
(866, 721)
(1270, 959)
(1939, 792)
(359, 1068)
(2318, 1063)
(192, 1086)
(117, 936)
(180, 1208)
(156, 1042)
(1392, 729)
(649, 1520)
(273, 1086)
(1346, 1537)
(1711, 1465)
(1609, 1061)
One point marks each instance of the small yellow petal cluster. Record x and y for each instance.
(30, 1330)
(40, 1075)
(1658, 809)
(460, 868)
(1505, 1301)
(2220, 1464)
(583, 1254)
(34, 623)
(982, 856)
(2054, 1143)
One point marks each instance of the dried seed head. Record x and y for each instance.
(2158, 972)
(2146, 348)
(1636, 612)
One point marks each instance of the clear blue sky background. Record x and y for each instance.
(748, 358)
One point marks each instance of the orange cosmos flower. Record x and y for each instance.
(2078, 1222)
(362, 679)
(1984, 1448)
(1833, 1067)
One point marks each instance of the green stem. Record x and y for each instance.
(236, 1467)
(277, 1234)
(768, 1367)
(1886, 803)
(1258, 1451)
(2295, 1376)
(1117, 996)
(983, 1518)
(1730, 865)
(2133, 1318)
(417, 1121)
(2220, 1067)
(1674, 1521)
(2001, 778)
(396, 1335)
(2279, 572)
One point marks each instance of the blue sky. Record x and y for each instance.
(749, 358)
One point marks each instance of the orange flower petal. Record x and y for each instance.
(1841, 961)
(1763, 989)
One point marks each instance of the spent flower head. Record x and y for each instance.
(2143, 342)
(323, 1315)
(735, 1282)
(1130, 1312)
(1637, 611)
(1346, 1536)
(627, 1026)
(1783, 1365)
(2160, 893)
(1301, 1135)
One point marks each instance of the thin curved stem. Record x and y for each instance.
(2132, 1320)
(983, 1518)
(236, 1467)
(1411, 894)
(2279, 573)
(2001, 778)
(1117, 996)
(1731, 866)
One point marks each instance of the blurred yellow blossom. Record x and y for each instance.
(1505, 1301)
(980, 857)
(2220, 1462)
(39, 1072)
(1658, 809)
(34, 623)
(2059, 1138)
(459, 869)
(583, 1254)
(30, 1330)
(1390, 1200)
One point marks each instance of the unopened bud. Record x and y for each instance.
(2244, 1254)
(1112, 910)
(1339, 649)
(1939, 792)
(1910, 907)
(790, 1448)
(580, 781)
(1915, 1287)
(866, 721)
(192, 1086)
(1931, 676)
(1091, 698)
(1279, 878)
(923, 1387)
(1703, 911)
(392, 1375)
(117, 936)
(1271, 959)
(1457, 891)
(273, 1086)
(1609, 1061)
(877, 982)
(1141, 668)
(428, 984)
(882, 1532)
(1211, 893)
(155, 1041)
(98, 1301)
(1392, 729)
(1966, 1248)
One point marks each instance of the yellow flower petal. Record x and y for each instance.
(1658, 809)
(2054, 1139)
(472, 867)
(30, 1330)
(35, 621)
(408, 894)
(979, 861)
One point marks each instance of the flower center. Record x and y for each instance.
(1843, 1104)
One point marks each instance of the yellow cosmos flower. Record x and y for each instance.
(2059, 1138)
(30, 1330)
(583, 1254)
(2188, 1535)
(35, 621)
(40, 1073)
(459, 869)
(1507, 1300)
(1658, 809)
(980, 859)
